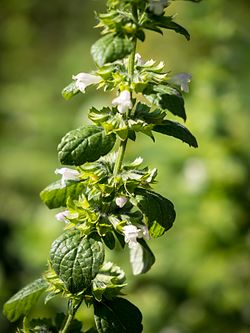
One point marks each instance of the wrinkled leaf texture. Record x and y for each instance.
(85, 144)
(111, 48)
(21, 303)
(76, 259)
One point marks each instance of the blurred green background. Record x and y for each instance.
(201, 279)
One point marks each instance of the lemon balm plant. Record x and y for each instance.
(105, 201)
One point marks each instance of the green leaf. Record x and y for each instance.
(110, 48)
(21, 303)
(76, 259)
(166, 22)
(70, 91)
(177, 130)
(158, 211)
(117, 316)
(108, 282)
(166, 98)
(55, 195)
(85, 144)
(141, 257)
(39, 325)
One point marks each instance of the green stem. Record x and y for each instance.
(120, 156)
(123, 143)
(131, 65)
(71, 314)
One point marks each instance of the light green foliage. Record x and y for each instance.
(24, 300)
(108, 201)
(56, 194)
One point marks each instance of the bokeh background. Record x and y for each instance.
(201, 279)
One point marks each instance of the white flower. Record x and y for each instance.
(65, 216)
(121, 201)
(182, 80)
(67, 174)
(139, 60)
(132, 232)
(123, 101)
(157, 6)
(84, 80)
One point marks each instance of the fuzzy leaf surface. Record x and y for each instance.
(158, 211)
(76, 259)
(110, 48)
(21, 303)
(55, 195)
(85, 144)
(117, 316)
(177, 130)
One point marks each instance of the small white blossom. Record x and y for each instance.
(65, 216)
(84, 80)
(157, 6)
(67, 174)
(123, 101)
(139, 60)
(121, 201)
(132, 232)
(182, 80)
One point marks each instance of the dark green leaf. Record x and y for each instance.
(21, 303)
(159, 211)
(166, 98)
(177, 130)
(109, 240)
(117, 316)
(166, 22)
(76, 259)
(85, 144)
(110, 48)
(141, 257)
(41, 325)
(55, 195)
(70, 90)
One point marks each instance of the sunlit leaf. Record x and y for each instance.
(23, 301)
(55, 195)
(141, 257)
(110, 48)
(76, 259)
(70, 90)
(158, 211)
(85, 144)
(108, 282)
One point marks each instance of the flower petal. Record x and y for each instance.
(84, 80)
(123, 101)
